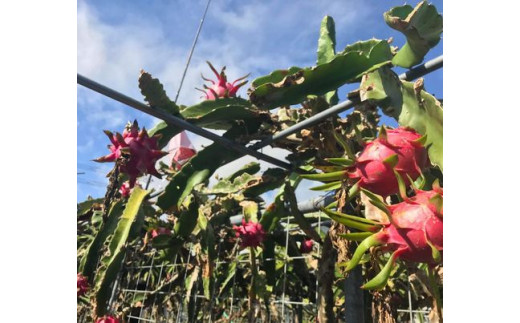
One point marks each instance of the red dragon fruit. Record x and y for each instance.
(398, 150)
(413, 233)
(142, 152)
(160, 231)
(107, 319)
(82, 285)
(221, 88)
(374, 168)
(125, 189)
(306, 246)
(251, 233)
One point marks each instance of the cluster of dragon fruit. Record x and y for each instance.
(413, 228)
(386, 172)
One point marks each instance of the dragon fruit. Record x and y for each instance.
(142, 152)
(107, 319)
(82, 285)
(413, 233)
(374, 168)
(221, 88)
(251, 233)
(125, 189)
(160, 231)
(306, 246)
(396, 151)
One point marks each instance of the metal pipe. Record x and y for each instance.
(423, 69)
(192, 50)
(316, 203)
(413, 73)
(178, 122)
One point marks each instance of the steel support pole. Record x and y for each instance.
(178, 122)
(413, 73)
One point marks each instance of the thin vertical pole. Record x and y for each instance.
(192, 50)
(179, 313)
(285, 266)
(158, 284)
(187, 65)
(319, 255)
(233, 289)
(409, 299)
(146, 286)
(170, 287)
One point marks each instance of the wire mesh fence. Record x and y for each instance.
(152, 288)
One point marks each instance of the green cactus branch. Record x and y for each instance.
(276, 210)
(198, 170)
(208, 255)
(298, 216)
(292, 86)
(111, 262)
(422, 27)
(409, 104)
(250, 168)
(327, 51)
(225, 186)
(89, 261)
(154, 94)
(221, 113)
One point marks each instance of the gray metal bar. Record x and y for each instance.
(423, 69)
(174, 121)
(415, 72)
(315, 204)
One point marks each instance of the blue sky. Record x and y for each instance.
(118, 38)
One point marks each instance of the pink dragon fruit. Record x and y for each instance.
(82, 285)
(160, 231)
(251, 234)
(413, 233)
(107, 319)
(374, 168)
(221, 88)
(125, 189)
(306, 246)
(142, 152)
(398, 151)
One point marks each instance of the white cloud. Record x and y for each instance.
(249, 37)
